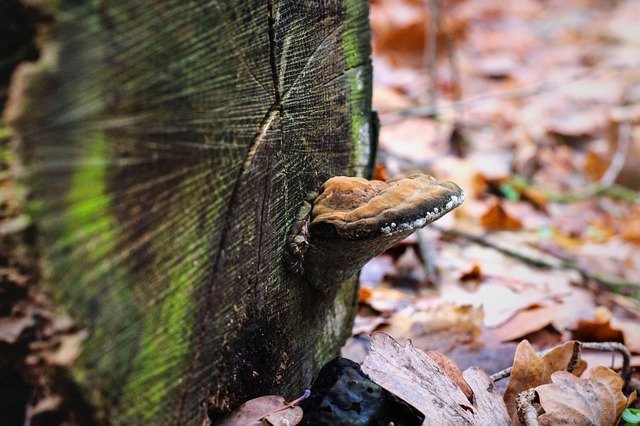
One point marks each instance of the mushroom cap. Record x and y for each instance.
(356, 208)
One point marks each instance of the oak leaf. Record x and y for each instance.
(416, 378)
(597, 400)
(264, 410)
(531, 370)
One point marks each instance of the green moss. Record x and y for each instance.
(356, 48)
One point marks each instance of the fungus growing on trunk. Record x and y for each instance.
(354, 220)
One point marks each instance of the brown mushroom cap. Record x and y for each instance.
(356, 208)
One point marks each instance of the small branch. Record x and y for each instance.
(615, 191)
(306, 394)
(615, 284)
(625, 371)
(575, 357)
(527, 413)
(289, 405)
(428, 258)
(431, 56)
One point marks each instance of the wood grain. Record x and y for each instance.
(165, 148)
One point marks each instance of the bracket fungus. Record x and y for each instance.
(354, 220)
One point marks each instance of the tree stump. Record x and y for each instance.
(165, 148)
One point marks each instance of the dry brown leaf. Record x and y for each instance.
(572, 126)
(631, 231)
(630, 332)
(388, 99)
(595, 164)
(383, 299)
(269, 410)
(496, 218)
(475, 274)
(464, 172)
(451, 369)
(11, 328)
(366, 324)
(531, 370)
(598, 329)
(441, 328)
(414, 377)
(597, 400)
(527, 321)
(536, 196)
(67, 351)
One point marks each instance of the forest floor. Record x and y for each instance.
(533, 108)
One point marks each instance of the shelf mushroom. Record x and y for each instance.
(354, 220)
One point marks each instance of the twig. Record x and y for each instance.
(431, 56)
(291, 404)
(614, 191)
(625, 370)
(428, 258)
(527, 413)
(454, 66)
(615, 284)
(575, 357)
(525, 92)
(306, 394)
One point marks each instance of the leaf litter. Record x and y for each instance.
(545, 249)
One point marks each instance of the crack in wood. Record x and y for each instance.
(260, 137)
(272, 49)
(258, 140)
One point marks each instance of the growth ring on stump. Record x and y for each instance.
(165, 148)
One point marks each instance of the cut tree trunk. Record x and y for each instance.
(165, 148)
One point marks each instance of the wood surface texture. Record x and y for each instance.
(165, 147)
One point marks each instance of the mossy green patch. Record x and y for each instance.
(356, 48)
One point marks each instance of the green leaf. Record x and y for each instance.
(631, 416)
(509, 192)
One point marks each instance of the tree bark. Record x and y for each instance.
(166, 147)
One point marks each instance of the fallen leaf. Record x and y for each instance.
(496, 218)
(631, 231)
(572, 127)
(452, 371)
(631, 416)
(387, 300)
(527, 321)
(630, 333)
(413, 376)
(387, 99)
(11, 328)
(272, 408)
(366, 324)
(374, 271)
(531, 370)
(497, 67)
(535, 196)
(441, 328)
(597, 400)
(355, 348)
(66, 351)
(475, 274)
(598, 329)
